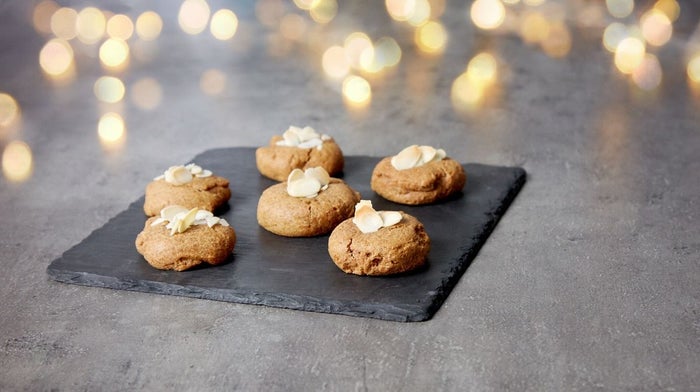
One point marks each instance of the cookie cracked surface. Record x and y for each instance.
(276, 162)
(208, 193)
(390, 250)
(424, 184)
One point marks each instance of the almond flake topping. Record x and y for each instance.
(180, 218)
(368, 220)
(415, 155)
(180, 175)
(305, 137)
(307, 183)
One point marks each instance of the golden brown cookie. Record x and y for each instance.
(198, 244)
(290, 216)
(276, 161)
(207, 193)
(390, 250)
(424, 184)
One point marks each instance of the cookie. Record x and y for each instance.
(189, 186)
(298, 148)
(418, 175)
(401, 246)
(181, 239)
(304, 207)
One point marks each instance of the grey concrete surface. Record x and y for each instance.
(590, 282)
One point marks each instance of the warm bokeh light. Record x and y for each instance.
(193, 16)
(41, 16)
(694, 68)
(109, 89)
(629, 54)
(114, 53)
(334, 62)
(613, 35)
(63, 23)
(212, 82)
(9, 110)
(656, 27)
(324, 11)
(56, 57)
(558, 41)
(431, 37)
(534, 27)
(149, 25)
(17, 161)
(669, 7)
(293, 27)
(648, 74)
(269, 12)
(355, 44)
(357, 91)
(306, 4)
(482, 69)
(369, 61)
(620, 8)
(146, 93)
(465, 93)
(224, 24)
(400, 10)
(387, 52)
(420, 14)
(120, 26)
(487, 14)
(90, 25)
(111, 130)
(533, 3)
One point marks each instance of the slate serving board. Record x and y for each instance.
(297, 273)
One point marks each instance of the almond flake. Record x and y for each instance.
(367, 220)
(407, 158)
(168, 213)
(306, 187)
(390, 218)
(318, 173)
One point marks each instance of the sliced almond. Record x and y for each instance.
(304, 187)
(194, 169)
(190, 217)
(307, 133)
(203, 214)
(223, 222)
(407, 158)
(212, 220)
(204, 173)
(441, 154)
(157, 221)
(428, 153)
(296, 175)
(318, 173)
(367, 220)
(290, 137)
(363, 203)
(160, 177)
(178, 175)
(390, 218)
(168, 213)
(311, 143)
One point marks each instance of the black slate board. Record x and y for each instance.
(297, 273)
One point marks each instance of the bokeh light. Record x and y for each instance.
(9, 110)
(648, 74)
(693, 68)
(355, 44)
(306, 4)
(558, 41)
(63, 23)
(193, 16)
(420, 14)
(269, 12)
(629, 54)
(482, 69)
(465, 93)
(669, 7)
(323, 11)
(41, 16)
(613, 35)
(111, 130)
(387, 51)
(620, 8)
(109, 89)
(334, 62)
(114, 53)
(146, 93)
(356, 91)
(17, 161)
(90, 25)
(224, 24)
(400, 10)
(56, 57)
(213, 82)
(431, 37)
(487, 14)
(149, 25)
(656, 27)
(534, 27)
(120, 26)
